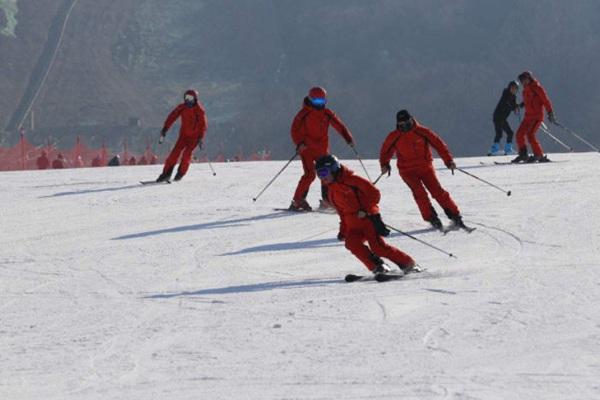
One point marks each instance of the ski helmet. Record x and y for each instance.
(525, 75)
(404, 120)
(328, 164)
(513, 83)
(190, 96)
(317, 96)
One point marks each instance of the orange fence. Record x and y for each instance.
(26, 156)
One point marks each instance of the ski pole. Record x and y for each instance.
(360, 160)
(557, 140)
(508, 193)
(210, 164)
(577, 136)
(379, 177)
(420, 241)
(275, 177)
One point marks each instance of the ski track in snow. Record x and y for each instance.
(113, 290)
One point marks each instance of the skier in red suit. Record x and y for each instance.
(356, 201)
(310, 135)
(191, 134)
(535, 100)
(411, 143)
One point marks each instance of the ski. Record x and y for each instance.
(153, 182)
(317, 210)
(293, 211)
(382, 277)
(454, 227)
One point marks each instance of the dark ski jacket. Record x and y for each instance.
(506, 105)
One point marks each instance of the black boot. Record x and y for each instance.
(436, 223)
(522, 157)
(178, 176)
(165, 176)
(457, 220)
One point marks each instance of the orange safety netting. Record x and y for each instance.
(26, 156)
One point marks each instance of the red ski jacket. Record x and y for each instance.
(193, 120)
(311, 127)
(412, 148)
(349, 194)
(536, 99)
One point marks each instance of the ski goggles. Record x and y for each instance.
(318, 101)
(189, 98)
(323, 172)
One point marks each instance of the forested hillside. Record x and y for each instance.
(253, 61)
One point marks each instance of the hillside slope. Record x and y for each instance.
(113, 290)
(253, 61)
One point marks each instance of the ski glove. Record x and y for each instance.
(379, 225)
(163, 133)
(200, 144)
(451, 166)
(386, 168)
(552, 117)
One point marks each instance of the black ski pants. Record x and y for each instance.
(501, 125)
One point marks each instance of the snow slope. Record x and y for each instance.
(111, 290)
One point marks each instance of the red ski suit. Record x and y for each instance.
(311, 127)
(350, 194)
(192, 130)
(415, 164)
(535, 99)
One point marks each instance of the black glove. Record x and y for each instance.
(379, 225)
(386, 167)
(200, 144)
(552, 117)
(521, 104)
(340, 236)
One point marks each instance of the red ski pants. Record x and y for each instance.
(355, 242)
(185, 145)
(527, 130)
(308, 164)
(423, 179)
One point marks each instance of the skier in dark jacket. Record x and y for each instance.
(506, 105)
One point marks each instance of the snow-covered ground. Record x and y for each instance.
(111, 290)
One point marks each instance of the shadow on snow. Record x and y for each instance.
(308, 244)
(76, 192)
(226, 223)
(258, 287)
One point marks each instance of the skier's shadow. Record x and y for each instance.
(319, 243)
(331, 242)
(226, 223)
(76, 192)
(257, 287)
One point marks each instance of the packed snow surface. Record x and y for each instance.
(113, 290)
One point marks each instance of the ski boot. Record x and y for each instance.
(300, 205)
(324, 205)
(164, 177)
(494, 150)
(381, 269)
(539, 159)
(509, 149)
(544, 159)
(436, 223)
(522, 157)
(409, 268)
(178, 176)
